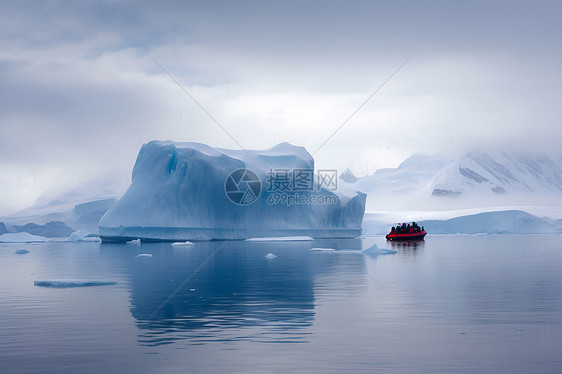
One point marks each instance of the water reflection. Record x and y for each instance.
(229, 290)
(408, 244)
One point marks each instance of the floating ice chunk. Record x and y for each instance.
(375, 251)
(136, 241)
(82, 236)
(270, 256)
(71, 283)
(281, 239)
(322, 249)
(144, 255)
(22, 251)
(181, 244)
(21, 237)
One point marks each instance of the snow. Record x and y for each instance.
(144, 255)
(72, 283)
(178, 193)
(21, 237)
(322, 249)
(182, 244)
(270, 256)
(281, 239)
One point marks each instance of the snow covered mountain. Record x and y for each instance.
(472, 179)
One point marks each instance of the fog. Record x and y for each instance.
(81, 94)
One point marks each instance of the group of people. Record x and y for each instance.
(406, 228)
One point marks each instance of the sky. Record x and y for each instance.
(82, 88)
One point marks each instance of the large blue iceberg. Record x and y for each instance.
(190, 191)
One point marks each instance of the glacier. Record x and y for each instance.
(179, 192)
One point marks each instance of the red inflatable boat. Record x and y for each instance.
(406, 235)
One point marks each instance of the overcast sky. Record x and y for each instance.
(79, 92)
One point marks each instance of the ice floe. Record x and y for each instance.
(72, 283)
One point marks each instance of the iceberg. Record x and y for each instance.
(376, 251)
(191, 191)
(182, 244)
(22, 237)
(82, 236)
(281, 239)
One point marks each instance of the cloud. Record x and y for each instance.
(79, 91)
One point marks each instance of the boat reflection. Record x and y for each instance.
(407, 244)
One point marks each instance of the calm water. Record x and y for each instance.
(472, 304)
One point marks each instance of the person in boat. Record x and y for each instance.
(404, 228)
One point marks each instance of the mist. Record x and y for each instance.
(81, 92)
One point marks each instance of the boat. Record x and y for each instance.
(406, 235)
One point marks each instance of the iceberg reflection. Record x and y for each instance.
(228, 290)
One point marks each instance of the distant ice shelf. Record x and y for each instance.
(191, 191)
(488, 222)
